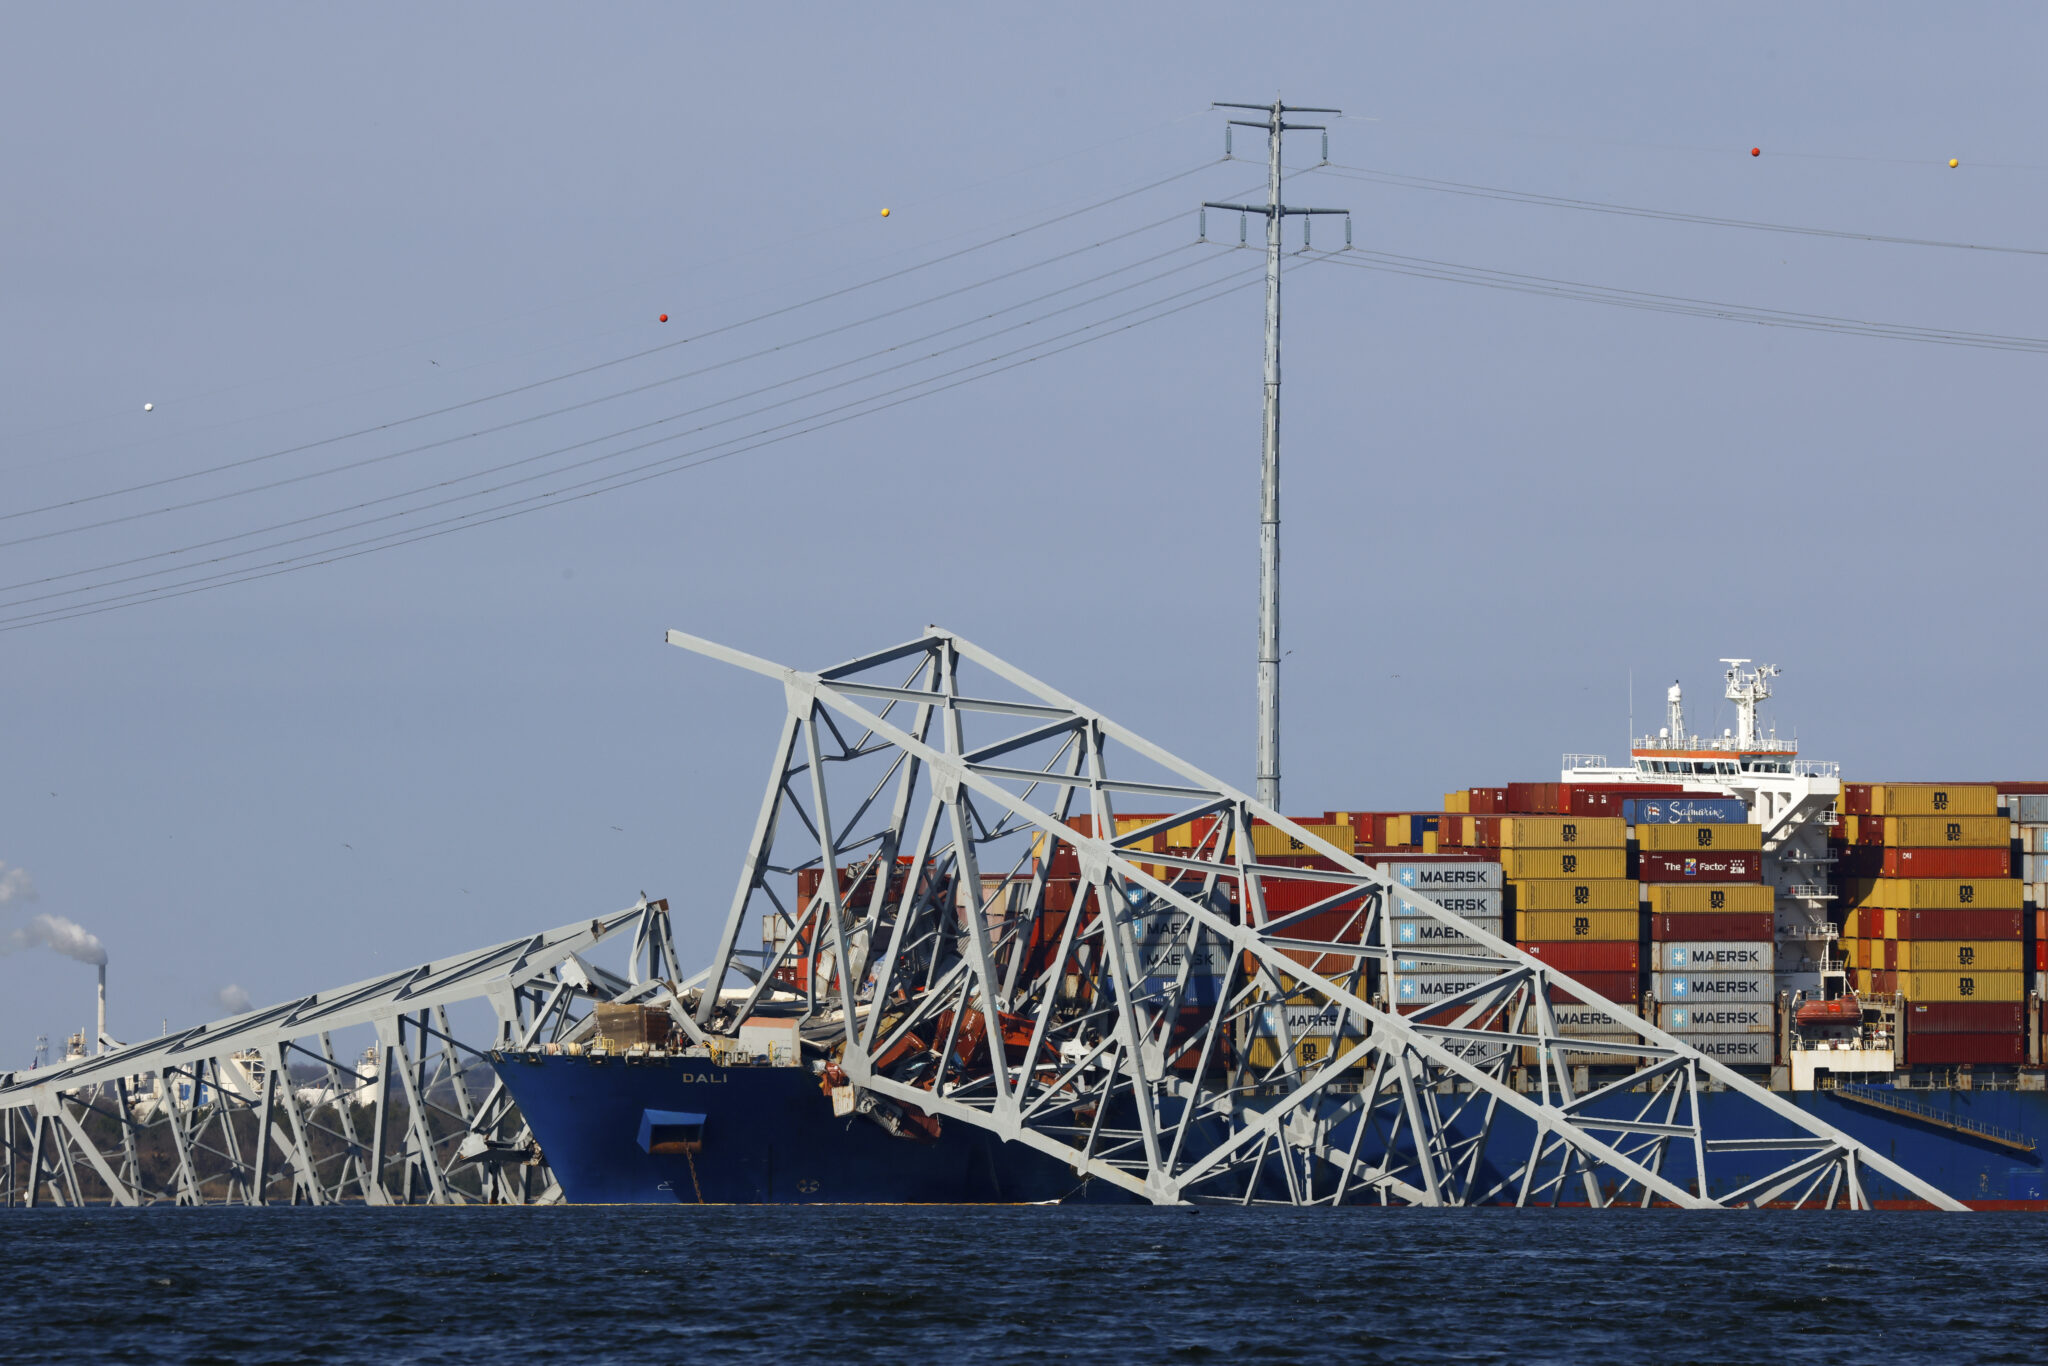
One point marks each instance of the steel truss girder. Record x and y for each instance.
(244, 1134)
(1088, 1036)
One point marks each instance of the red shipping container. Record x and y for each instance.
(1488, 801)
(1965, 1017)
(1536, 799)
(1622, 987)
(1285, 896)
(1855, 799)
(1995, 1049)
(1577, 957)
(2003, 926)
(1869, 831)
(1718, 927)
(1655, 866)
(1894, 861)
(2041, 955)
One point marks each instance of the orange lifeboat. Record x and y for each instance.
(1843, 1010)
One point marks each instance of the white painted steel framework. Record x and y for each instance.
(264, 1108)
(1192, 1005)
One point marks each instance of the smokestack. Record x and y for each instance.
(102, 1046)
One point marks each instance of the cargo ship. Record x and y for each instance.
(1871, 952)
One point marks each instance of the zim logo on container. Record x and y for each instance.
(1568, 832)
(1717, 899)
(1571, 862)
(1966, 893)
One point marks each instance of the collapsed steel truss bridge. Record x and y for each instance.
(969, 933)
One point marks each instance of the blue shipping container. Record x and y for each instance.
(1685, 810)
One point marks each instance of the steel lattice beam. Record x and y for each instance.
(1141, 1029)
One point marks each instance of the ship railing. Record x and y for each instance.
(1810, 892)
(1816, 768)
(1572, 761)
(1888, 1098)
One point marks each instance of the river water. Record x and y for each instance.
(939, 1285)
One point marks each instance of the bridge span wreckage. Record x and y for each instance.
(984, 904)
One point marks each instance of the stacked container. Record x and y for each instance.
(2028, 812)
(1935, 917)
(1569, 892)
(1711, 924)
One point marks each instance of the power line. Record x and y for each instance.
(605, 484)
(1553, 201)
(642, 354)
(1452, 272)
(635, 429)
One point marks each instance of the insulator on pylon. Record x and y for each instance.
(1241, 238)
(1203, 218)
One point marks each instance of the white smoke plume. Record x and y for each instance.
(15, 884)
(60, 935)
(232, 999)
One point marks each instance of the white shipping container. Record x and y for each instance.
(1409, 967)
(1756, 1017)
(1712, 987)
(1737, 1050)
(1574, 1018)
(2034, 838)
(1445, 877)
(1473, 905)
(1436, 934)
(1747, 955)
(2029, 810)
(1420, 988)
(2035, 869)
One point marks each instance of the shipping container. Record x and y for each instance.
(1459, 802)
(1461, 875)
(1855, 800)
(1471, 905)
(1737, 1050)
(2034, 840)
(1756, 955)
(1574, 1018)
(1652, 866)
(1732, 898)
(1875, 861)
(1711, 927)
(1935, 893)
(1562, 926)
(1964, 1017)
(1520, 863)
(1863, 830)
(1556, 832)
(1536, 798)
(1679, 839)
(2034, 867)
(1961, 986)
(1582, 956)
(1995, 1050)
(1563, 894)
(1623, 988)
(1605, 1049)
(1933, 799)
(1436, 934)
(1942, 924)
(1713, 987)
(1960, 955)
(1685, 810)
(1430, 988)
(1269, 840)
(2031, 809)
(1749, 1017)
(1943, 831)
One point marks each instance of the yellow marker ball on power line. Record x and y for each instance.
(1953, 163)
(885, 213)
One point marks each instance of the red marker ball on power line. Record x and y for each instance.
(664, 317)
(1756, 151)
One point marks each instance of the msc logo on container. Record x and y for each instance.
(1955, 831)
(1717, 899)
(1966, 986)
(1966, 892)
(1581, 925)
(1965, 955)
(1941, 801)
(1706, 836)
(1570, 863)
(1581, 894)
(1568, 833)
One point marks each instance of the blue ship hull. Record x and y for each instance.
(769, 1136)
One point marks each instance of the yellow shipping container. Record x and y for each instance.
(1936, 893)
(1270, 841)
(1958, 955)
(1544, 927)
(1554, 832)
(1313, 1051)
(1577, 863)
(1461, 800)
(1734, 898)
(1688, 838)
(1959, 832)
(1575, 894)
(1963, 986)
(1933, 799)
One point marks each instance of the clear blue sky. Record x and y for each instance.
(282, 226)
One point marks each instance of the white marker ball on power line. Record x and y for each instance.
(149, 407)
